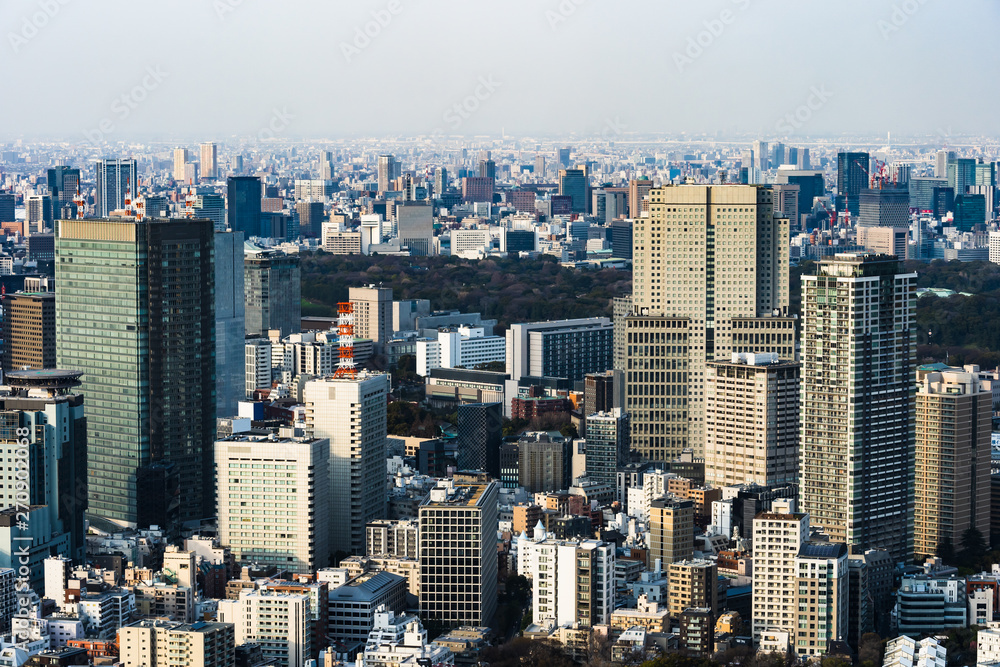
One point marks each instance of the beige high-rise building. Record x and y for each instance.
(209, 160)
(710, 277)
(692, 583)
(777, 537)
(372, 313)
(952, 480)
(821, 578)
(671, 531)
(289, 478)
(279, 621)
(180, 164)
(540, 463)
(884, 240)
(157, 643)
(351, 413)
(752, 421)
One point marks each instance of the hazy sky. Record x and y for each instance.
(214, 68)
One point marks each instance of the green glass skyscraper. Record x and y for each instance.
(136, 314)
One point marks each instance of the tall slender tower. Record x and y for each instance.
(209, 160)
(114, 178)
(136, 315)
(710, 277)
(858, 356)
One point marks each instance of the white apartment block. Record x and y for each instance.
(908, 652)
(257, 365)
(777, 538)
(463, 346)
(995, 247)
(572, 581)
(351, 413)
(400, 539)
(279, 622)
(988, 643)
(269, 490)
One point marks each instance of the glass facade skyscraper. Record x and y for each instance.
(136, 314)
(114, 178)
(243, 204)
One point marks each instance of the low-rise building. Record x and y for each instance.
(354, 605)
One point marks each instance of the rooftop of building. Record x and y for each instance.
(822, 550)
(448, 494)
(365, 587)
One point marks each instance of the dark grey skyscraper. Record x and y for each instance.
(480, 434)
(243, 205)
(852, 178)
(114, 178)
(273, 292)
(63, 184)
(136, 314)
(573, 184)
(230, 324)
(961, 174)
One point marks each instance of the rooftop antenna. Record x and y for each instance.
(189, 200)
(140, 202)
(81, 203)
(128, 196)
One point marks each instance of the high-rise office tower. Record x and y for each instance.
(852, 178)
(29, 331)
(540, 166)
(180, 164)
(372, 313)
(786, 202)
(559, 348)
(607, 444)
(599, 393)
(710, 266)
(480, 434)
(212, 207)
(986, 174)
(7, 200)
(637, 192)
(351, 413)
(803, 160)
(761, 155)
(37, 213)
(961, 174)
(209, 160)
(243, 205)
(295, 537)
(440, 181)
(475, 189)
(49, 407)
(272, 282)
(280, 622)
(488, 169)
(573, 184)
(415, 222)
(884, 207)
(671, 530)
(136, 314)
(542, 463)
(791, 156)
(941, 163)
(230, 322)
(858, 349)
(563, 156)
(458, 553)
(310, 217)
(752, 421)
(777, 152)
(952, 461)
(114, 178)
(387, 168)
(64, 182)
